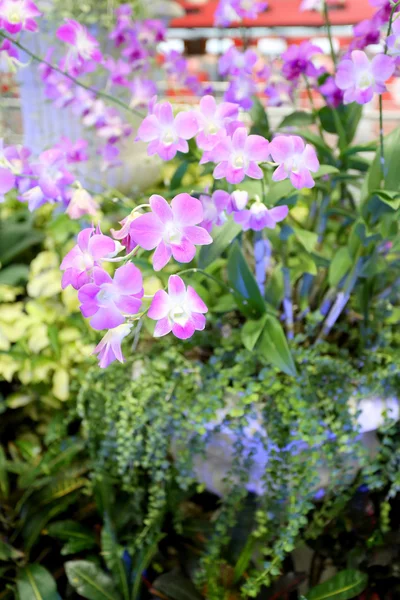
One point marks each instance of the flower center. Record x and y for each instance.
(105, 295)
(365, 81)
(172, 235)
(239, 161)
(168, 138)
(179, 315)
(15, 16)
(212, 129)
(83, 45)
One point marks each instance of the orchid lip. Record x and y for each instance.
(179, 315)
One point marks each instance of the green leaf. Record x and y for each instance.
(112, 553)
(392, 199)
(273, 347)
(222, 238)
(34, 582)
(279, 190)
(342, 121)
(325, 170)
(176, 586)
(251, 331)
(15, 239)
(14, 275)
(259, 118)
(343, 586)
(78, 538)
(340, 265)
(179, 174)
(298, 118)
(308, 239)
(8, 552)
(4, 484)
(392, 165)
(247, 293)
(90, 581)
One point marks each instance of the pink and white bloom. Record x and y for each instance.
(360, 78)
(393, 41)
(16, 15)
(83, 46)
(296, 160)
(259, 217)
(81, 204)
(109, 348)
(214, 208)
(180, 311)
(9, 62)
(238, 201)
(237, 156)
(171, 229)
(165, 133)
(106, 300)
(88, 253)
(212, 119)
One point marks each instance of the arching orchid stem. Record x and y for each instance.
(37, 58)
(195, 270)
(123, 258)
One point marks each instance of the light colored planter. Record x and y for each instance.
(212, 468)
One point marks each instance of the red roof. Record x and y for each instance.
(280, 13)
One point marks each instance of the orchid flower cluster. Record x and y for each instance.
(221, 140)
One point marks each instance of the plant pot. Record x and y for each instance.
(214, 465)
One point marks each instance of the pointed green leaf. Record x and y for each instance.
(34, 582)
(222, 238)
(247, 293)
(308, 239)
(90, 581)
(298, 118)
(259, 118)
(340, 265)
(273, 347)
(76, 536)
(251, 332)
(343, 586)
(179, 174)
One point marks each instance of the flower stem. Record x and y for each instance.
(329, 31)
(108, 97)
(123, 258)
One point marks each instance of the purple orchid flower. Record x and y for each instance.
(214, 208)
(393, 41)
(360, 78)
(75, 152)
(9, 58)
(81, 204)
(212, 119)
(296, 159)
(52, 175)
(180, 311)
(167, 134)
(84, 47)
(333, 95)
(241, 90)
(234, 62)
(237, 156)
(143, 90)
(88, 253)
(171, 229)
(259, 217)
(107, 300)
(119, 71)
(18, 15)
(7, 182)
(297, 61)
(109, 348)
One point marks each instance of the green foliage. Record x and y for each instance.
(343, 586)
